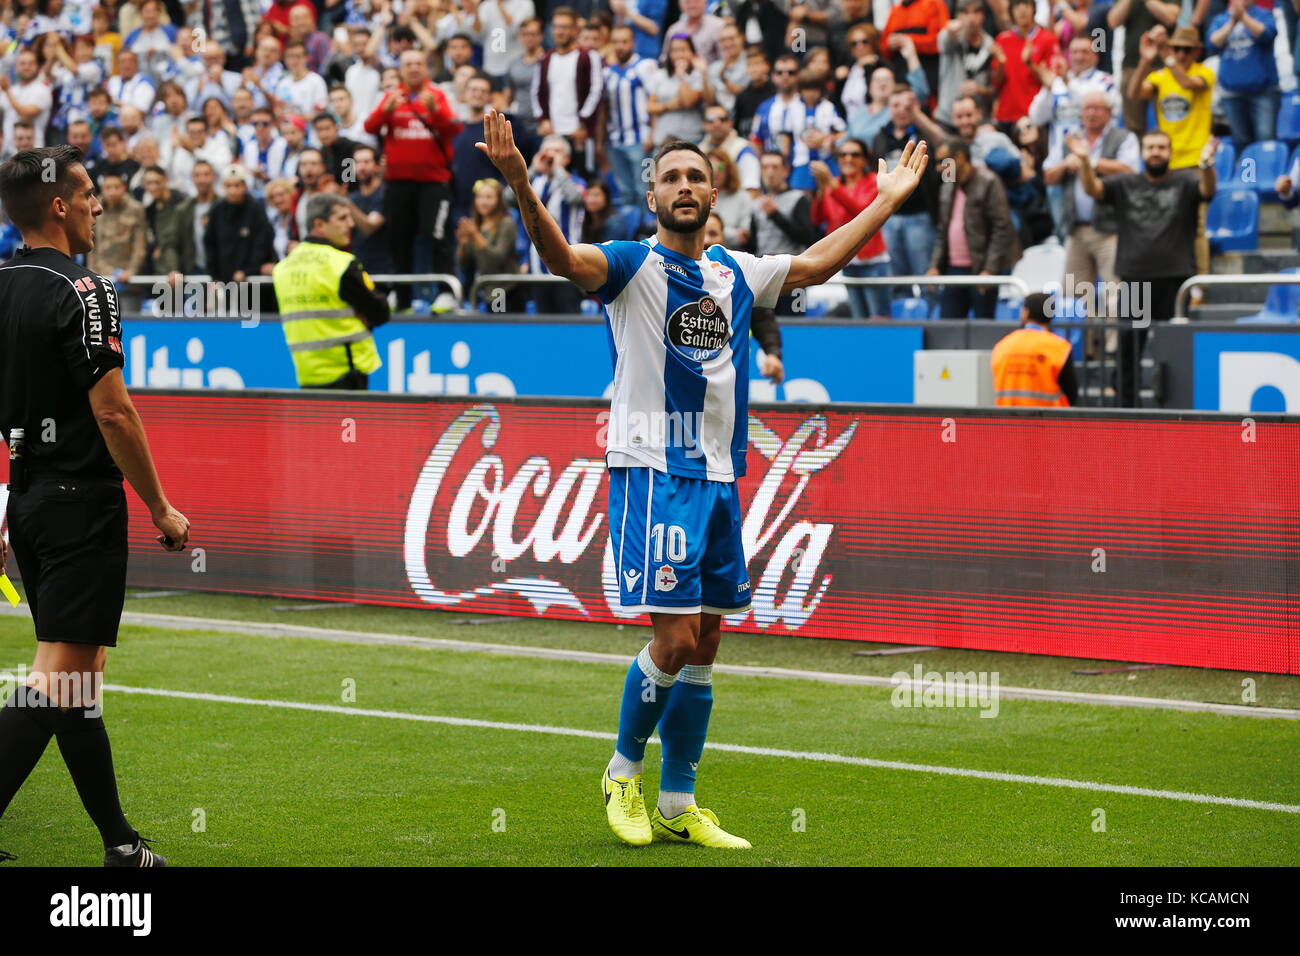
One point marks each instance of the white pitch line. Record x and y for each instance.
(180, 622)
(726, 748)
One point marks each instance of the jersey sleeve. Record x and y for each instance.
(623, 258)
(89, 329)
(764, 274)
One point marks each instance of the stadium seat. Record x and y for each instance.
(1041, 266)
(1281, 306)
(910, 308)
(1225, 164)
(1008, 310)
(1288, 118)
(1259, 166)
(1232, 221)
(1290, 163)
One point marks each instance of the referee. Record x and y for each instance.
(61, 384)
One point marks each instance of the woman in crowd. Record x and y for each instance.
(168, 126)
(279, 210)
(602, 221)
(734, 206)
(486, 243)
(678, 93)
(838, 201)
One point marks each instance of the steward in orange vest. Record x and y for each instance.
(1032, 366)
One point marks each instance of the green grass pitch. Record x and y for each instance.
(236, 784)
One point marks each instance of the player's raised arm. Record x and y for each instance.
(582, 264)
(828, 256)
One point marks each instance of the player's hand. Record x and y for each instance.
(175, 528)
(772, 368)
(897, 185)
(1283, 186)
(499, 146)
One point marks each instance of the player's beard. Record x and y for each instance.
(667, 220)
(1158, 169)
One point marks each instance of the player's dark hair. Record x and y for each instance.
(156, 169)
(30, 180)
(675, 144)
(1036, 308)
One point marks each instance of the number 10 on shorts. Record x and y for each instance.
(676, 542)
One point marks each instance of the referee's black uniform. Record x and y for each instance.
(61, 385)
(59, 334)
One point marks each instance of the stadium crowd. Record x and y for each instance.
(208, 125)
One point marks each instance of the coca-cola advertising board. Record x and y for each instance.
(1152, 537)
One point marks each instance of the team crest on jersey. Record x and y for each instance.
(698, 330)
(665, 579)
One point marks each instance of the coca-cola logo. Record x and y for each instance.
(483, 518)
(698, 330)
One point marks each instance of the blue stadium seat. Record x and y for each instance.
(1008, 310)
(1290, 164)
(1232, 221)
(1152, 121)
(1288, 118)
(1225, 164)
(910, 309)
(1259, 165)
(1281, 306)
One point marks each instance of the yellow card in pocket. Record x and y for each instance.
(7, 589)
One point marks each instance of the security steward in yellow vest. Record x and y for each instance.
(1032, 366)
(328, 305)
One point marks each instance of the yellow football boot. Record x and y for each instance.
(625, 808)
(694, 825)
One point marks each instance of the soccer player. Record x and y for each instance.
(678, 318)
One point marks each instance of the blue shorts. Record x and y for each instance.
(677, 543)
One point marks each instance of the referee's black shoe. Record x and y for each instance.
(139, 855)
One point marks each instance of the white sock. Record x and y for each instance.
(620, 766)
(672, 803)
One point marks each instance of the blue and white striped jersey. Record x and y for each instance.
(776, 116)
(679, 341)
(561, 194)
(625, 96)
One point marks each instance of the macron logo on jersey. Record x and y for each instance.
(673, 267)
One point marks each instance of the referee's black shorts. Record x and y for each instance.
(68, 536)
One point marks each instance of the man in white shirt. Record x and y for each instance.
(178, 161)
(29, 100)
(351, 125)
(131, 87)
(300, 90)
(495, 27)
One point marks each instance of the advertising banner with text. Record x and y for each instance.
(1149, 537)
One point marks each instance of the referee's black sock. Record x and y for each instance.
(83, 741)
(27, 722)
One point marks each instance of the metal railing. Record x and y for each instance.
(521, 278)
(452, 282)
(1258, 278)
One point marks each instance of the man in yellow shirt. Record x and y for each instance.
(1182, 92)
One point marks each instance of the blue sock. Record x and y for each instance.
(646, 693)
(684, 726)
